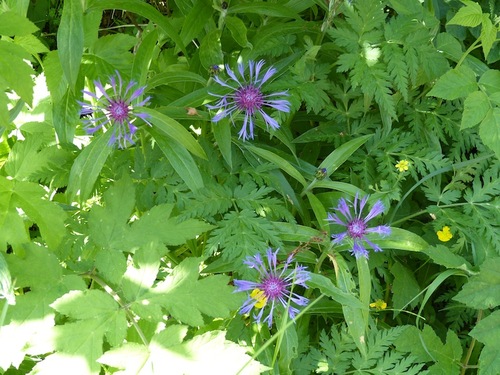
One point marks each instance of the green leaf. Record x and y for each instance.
(470, 15)
(488, 329)
(15, 73)
(210, 49)
(489, 130)
(49, 216)
(238, 30)
(143, 58)
(454, 84)
(222, 134)
(488, 34)
(142, 274)
(70, 40)
(326, 286)
(482, 291)
(319, 212)
(143, 9)
(278, 161)
(186, 297)
(12, 24)
(490, 81)
(181, 161)
(401, 239)
(443, 256)
(166, 126)
(194, 22)
(65, 116)
(88, 165)
(476, 106)
(6, 286)
(268, 10)
(404, 287)
(203, 354)
(489, 360)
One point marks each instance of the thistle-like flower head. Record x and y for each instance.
(275, 284)
(356, 225)
(114, 111)
(247, 97)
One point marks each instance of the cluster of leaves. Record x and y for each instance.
(121, 261)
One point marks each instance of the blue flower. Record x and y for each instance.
(114, 111)
(275, 284)
(246, 96)
(357, 226)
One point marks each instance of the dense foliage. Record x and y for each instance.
(245, 187)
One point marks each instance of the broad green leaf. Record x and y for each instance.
(488, 329)
(143, 9)
(265, 9)
(454, 84)
(179, 76)
(326, 286)
(489, 360)
(482, 291)
(203, 354)
(490, 81)
(24, 159)
(141, 275)
(238, 30)
(288, 343)
(12, 24)
(476, 106)
(443, 256)
(319, 212)
(166, 126)
(197, 19)
(278, 161)
(65, 115)
(54, 76)
(6, 286)
(181, 161)
(489, 130)
(143, 58)
(404, 287)
(488, 34)
(210, 49)
(401, 239)
(426, 346)
(88, 165)
(222, 134)
(111, 265)
(47, 215)
(186, 296)
(298, 233)
(15, 72)
(70, 40)
(341, 154)
(470, 15)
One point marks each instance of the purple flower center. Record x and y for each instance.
(249, 99)
(118, 110)
(273, 287)
(356, 228)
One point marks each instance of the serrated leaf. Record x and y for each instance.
(488, 329)
(443, 256)
(482, 291)
(476, 107)
(489, 130)
(470, 15)
(15, 72)
(454, 84)
(12, 24)
(186, 297)
(201, 355)
(488, 34)
(404, 287)
(70, 40)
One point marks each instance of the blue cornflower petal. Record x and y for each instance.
(248, 98)
(357, 225)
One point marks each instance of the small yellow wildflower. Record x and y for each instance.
(402, 165)
(444, 235)
(379, 305)
(259, 296)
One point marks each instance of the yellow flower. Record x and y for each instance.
(379, 305)
(403, 165)
(259, 296)
(444, 234)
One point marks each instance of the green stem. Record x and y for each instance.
(465, 365)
